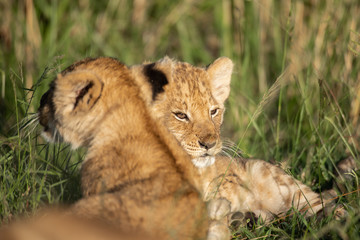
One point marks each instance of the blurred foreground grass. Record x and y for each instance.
(308, 118)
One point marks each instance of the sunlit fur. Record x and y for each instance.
(250, 185)
(195, 92)
(135, 175)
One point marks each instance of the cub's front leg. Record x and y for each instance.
(218, 210)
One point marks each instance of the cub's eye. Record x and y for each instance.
(214, 112)
(181, 116)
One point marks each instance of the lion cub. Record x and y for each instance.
(190, 103)
(135, 175)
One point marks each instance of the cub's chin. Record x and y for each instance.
(48, 137)
(203, 162)
(51, 135)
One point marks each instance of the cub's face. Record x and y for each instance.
(192, 104)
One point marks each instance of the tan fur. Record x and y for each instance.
(135, 175)
(197, 91)
(257, 186)
(53, 224)
(191, 91)
(250, 185)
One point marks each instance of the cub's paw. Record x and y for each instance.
(331, 208)
(340, 212)
(218, 208)
(240, 219)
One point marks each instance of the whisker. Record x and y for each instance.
(226, 154)
(28, 119)
(35, 125)
(229, 143)
(29, 130)
(232, 147)
(23, 123)
(28, 125)
(232, 151)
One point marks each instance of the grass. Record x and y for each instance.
(308, 119)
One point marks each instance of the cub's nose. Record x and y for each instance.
(207, 145)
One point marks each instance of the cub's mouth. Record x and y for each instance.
(197, 151)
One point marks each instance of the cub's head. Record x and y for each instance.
(79, 100)
(62, 107)
(190, 101)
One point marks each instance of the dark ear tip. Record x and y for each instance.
(156, 78)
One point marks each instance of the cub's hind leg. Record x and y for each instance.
(279, 192)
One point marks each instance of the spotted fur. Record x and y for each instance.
(251, 186)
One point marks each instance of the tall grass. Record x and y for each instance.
(295, 95)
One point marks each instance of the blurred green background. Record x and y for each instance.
(295, 95)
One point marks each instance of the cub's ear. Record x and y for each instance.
(220, 76)
(165, 65)
(81, 88)
(152, 78)
(158, 75)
